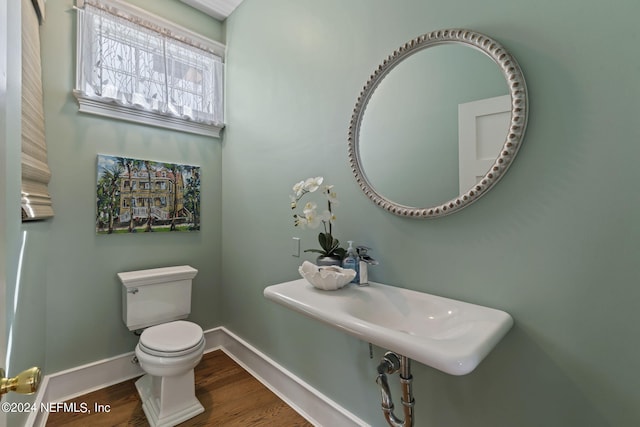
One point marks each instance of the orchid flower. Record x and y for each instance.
(329, 216)
(299, 221)
(310, 217)
(313, 219)
(298, 189)
(312, 184)
(309, 206)
(331, 195)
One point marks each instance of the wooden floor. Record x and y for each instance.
(229, 394)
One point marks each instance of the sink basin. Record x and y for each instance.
(446, 334)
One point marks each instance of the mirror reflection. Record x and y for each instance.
(409, 136)
(438, 123)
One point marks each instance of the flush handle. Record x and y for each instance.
(26, 382)
(132, 291)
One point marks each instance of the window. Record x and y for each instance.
(137, 67)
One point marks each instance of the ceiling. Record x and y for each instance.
(218, 9)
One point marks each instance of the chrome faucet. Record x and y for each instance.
(363, 265)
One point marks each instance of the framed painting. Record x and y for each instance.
(134, 195)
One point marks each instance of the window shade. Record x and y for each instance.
(36, 202)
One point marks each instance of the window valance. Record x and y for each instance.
(132, 68)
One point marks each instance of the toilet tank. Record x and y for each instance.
(155, 296)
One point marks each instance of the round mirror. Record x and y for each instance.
(442, 129)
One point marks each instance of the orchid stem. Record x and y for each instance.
(329, 203)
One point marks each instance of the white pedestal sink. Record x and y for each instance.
(449, 335)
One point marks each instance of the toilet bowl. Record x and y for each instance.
(168, 353)
(169, 348)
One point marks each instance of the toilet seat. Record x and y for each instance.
(172, 339)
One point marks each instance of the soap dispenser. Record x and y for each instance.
(351, 260)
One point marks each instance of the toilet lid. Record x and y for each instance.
(172, 337)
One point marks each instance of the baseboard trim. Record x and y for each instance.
(317, 408)
(74, 382)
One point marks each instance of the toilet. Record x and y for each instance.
(169, 348)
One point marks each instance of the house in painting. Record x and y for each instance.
(157, 194)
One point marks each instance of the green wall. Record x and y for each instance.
(555, 243)
(83, 301)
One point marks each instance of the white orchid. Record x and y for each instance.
(312, 184)
(329, 216)
(313, 219)
(309, 206)
(331, 194)
(299, 221)
(310, 217)
(298, 190)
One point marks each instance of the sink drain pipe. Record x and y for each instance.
(390, 364)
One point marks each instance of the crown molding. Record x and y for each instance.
(218, 9)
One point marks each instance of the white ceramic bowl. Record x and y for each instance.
(328, 278)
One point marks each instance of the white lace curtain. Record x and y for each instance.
(137, 66)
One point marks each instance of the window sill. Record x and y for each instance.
(115, 111)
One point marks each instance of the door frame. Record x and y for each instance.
(4, 7)
(471, 165)
(10, 134)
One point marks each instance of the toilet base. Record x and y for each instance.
(168, 401)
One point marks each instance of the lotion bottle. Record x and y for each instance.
(350, 261)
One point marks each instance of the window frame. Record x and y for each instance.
(106, 108)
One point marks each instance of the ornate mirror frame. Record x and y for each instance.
(513, 140)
